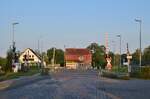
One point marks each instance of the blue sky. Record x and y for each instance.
(73, 23)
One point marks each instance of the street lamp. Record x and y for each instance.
(93, 51)
(113, 43)
(13, 24)
(13, 42)
(140, 22)
(120, 47)
(40, 50)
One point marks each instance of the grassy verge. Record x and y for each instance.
(118, 69)
(115, 75)
(122, 73)
(11, 75)
(142, 73)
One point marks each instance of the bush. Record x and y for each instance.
(144, 72)
(109, 74)
(2, 63)
(123, 69)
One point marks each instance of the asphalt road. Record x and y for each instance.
(80, 85)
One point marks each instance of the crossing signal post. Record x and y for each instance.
(107, 57)
(129, 57)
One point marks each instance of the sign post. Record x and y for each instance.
(129, 67)
(129, 57)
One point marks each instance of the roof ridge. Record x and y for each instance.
(32, 52)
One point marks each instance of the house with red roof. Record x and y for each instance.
(78, 58)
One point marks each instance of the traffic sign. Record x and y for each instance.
(129, 57)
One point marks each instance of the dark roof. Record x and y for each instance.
(77, 51)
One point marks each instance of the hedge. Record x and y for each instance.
(143, 72)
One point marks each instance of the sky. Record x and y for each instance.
(73, 23)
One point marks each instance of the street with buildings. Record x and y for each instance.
(74, 49)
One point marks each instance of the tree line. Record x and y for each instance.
(98, 57)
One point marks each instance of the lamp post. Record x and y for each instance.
(40, 50)
(93, 51)
(140, 58)
(53, 59)
(120, 47)
(13, 24)
(13, 42)
(113, 43)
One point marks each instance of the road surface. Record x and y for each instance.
(79, 85)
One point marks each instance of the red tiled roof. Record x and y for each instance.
(73, 54)
(77, 51)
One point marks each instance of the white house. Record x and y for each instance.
(30, 57)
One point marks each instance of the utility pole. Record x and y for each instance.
(113, 51)
(53, 60)
(140, 58)
(13, 43)
(64, 56)
(38, 46)
(120, 47)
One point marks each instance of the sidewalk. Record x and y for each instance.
(22, 81)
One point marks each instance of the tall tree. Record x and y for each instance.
(146, 56)
(50, 54)
(3, 62)
(135, 57)
(117, 60)
(8, 66)
(59, 56)
(112, 55)
(98, 55)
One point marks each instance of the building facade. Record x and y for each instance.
(76, 58)
(30, 57)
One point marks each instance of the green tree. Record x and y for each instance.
(146, 56)
(117, 59)
(135, 57)
(112, 55)
(3, 62)
(50, 55)
(8, 66)
(98, 55)
(59, 56)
